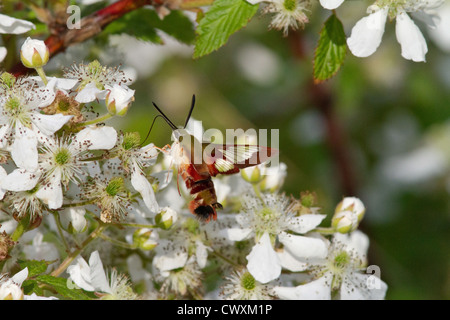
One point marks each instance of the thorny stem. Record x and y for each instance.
(69, 259)
(62, 37)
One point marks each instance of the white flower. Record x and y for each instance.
(266, 219)
(241, 285)
(9, 25)
(93, 79)
(62, 161)
(118, 99)
(73, 219)
(10, 288)
(135, 158)
(21, 123)
(367, 33)
(34, 53)
(60, 164)
(92, 277)
(339, 273)
(41, 250)
(288, 13)
(440, 34)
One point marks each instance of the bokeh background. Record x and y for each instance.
(379, 130)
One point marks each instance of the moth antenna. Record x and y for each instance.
(170, 123)
(190, 111)
(150, 130)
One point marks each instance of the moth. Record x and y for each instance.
(197, 162)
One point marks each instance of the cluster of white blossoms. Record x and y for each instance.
(69, 180)
(367, 34)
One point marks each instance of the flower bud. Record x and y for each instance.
(143, 239)
(73, 220)
(166, 218)
(344, 222)
(349, 212)
(273, 177)
(118, 99)
(34, 53)
(252, 174)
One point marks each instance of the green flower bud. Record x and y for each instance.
(166, 218)
(252, 174)
(348, 214)
(142, 238)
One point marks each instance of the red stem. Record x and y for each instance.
(90, 26)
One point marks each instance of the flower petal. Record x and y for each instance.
(3, 53)
(24, 149)
(143, 186)
(74, 217)
(263, 263)
(20, 180)
(289, 262)
(306, 222)
(363, 287)
(3, 175)
(98, 276)
(20, 277)
(90, 93)
(331, 4)
(315, 290)
(11, 25)
(51, 194)
(367, 34)
(201, 253)
(96, 138)
(167, 260)
(304, 247)
(80, 274)
(49, 124)
(414, 46)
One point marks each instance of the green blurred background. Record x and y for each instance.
(379, 130)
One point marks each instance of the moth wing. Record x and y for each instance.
(230, 158)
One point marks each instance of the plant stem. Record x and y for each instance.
(138, 225)
(60, 231)
(41, 73)
(69, 259)
(94, 121)
(325, 230)
(225, 258)
(192, 4)
(77, 204)
(117, 242)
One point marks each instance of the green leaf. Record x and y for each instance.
(142, 24)
(331, 50)
(224, 18)
(60, 286)
(34, 267)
